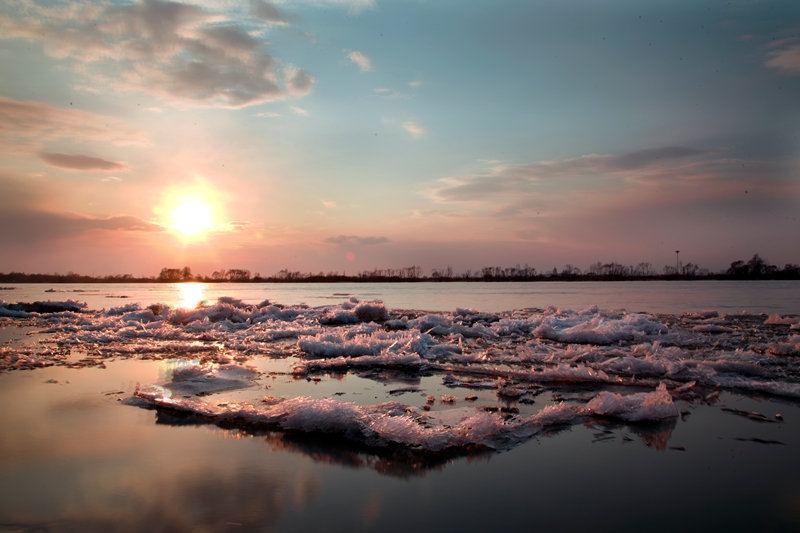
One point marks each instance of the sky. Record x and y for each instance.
(349, 135)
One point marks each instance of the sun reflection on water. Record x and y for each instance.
(191, 294)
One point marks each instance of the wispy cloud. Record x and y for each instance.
(299, 111)
(352, 240)
(268, 12)
(38, 226)
(354, 6)
(361, 60)
(81, 162)
(413, 128)
(329, 204)
(23, 218)
(168, 49)
(519, 179)
(25, 124)
(267, 114)
(414, 83)
(786, 60)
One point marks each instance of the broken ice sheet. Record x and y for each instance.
(390, 423)
(632, 363)
(192, 378)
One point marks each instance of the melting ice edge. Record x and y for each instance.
(517, 354)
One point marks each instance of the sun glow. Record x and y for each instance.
(193, 210)
(191, 294)
(191, 217)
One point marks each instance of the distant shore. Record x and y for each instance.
(59, 279)
(754, 269)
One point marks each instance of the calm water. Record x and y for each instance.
(673, 297)
(75, 458)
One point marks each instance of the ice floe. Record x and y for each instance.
(396, 423)
(634, 364)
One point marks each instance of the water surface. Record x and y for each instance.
(75, 455)
(674, 297)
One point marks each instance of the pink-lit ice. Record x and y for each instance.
(554, 346)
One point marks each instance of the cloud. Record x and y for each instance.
(24, 124)
(267, 114)
(267, 11)
(786, 60)
(42, 226)
(25, 219)
(299, 110)
(298, 81)
(520, 178)
(361, 60)
(480, 187)
(513, 189)
(239, 225)
(353, 240)
(178, 51)
(114, 223)
(354, 6)
(413, 128)
(642, 158)
(414, 83)
(329, 204)
(81, 162)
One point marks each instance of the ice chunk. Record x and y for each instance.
(376, 425)
(656, 405)
(711, 328)
(776, 319)
(704, 314)
(201, 380)
(347, 344)
(339, 316)
(598, 329)
(44, 307)
(371, 311)
(385, 359)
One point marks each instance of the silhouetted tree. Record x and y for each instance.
(238, 274)
(170, 274)
(689, 269)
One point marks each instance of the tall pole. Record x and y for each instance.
(677, 262)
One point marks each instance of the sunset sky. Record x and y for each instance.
(344, 135)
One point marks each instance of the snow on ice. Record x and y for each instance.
(635, 364)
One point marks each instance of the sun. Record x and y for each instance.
(192, 211)
(191, 217)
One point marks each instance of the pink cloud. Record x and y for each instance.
(361, 60)
(25, 123)
(81, 162)
(786, 60)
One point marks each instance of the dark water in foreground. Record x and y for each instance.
(75, 458)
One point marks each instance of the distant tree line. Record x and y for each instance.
(758, 268)
(755, 268)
